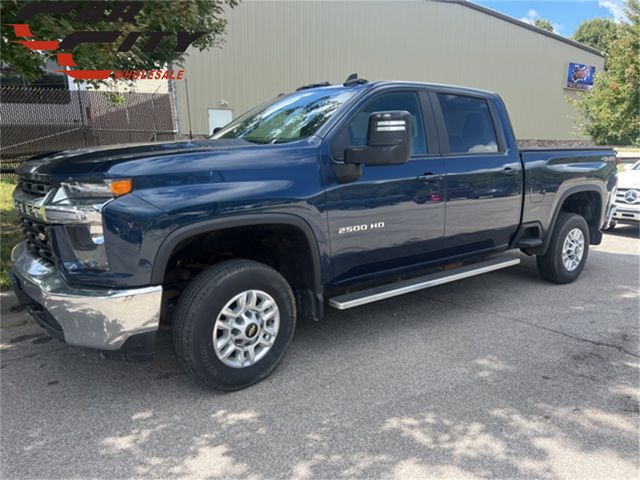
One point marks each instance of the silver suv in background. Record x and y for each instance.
(627, 199)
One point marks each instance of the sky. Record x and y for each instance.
(565, 15)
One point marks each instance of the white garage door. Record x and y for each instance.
(219, 118)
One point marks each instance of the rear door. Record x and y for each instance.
(392, 217)
(483, 193)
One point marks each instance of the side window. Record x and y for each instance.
(469, 124)
(355, 133)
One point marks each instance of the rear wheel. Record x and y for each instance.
(233, 324)
(568, 249)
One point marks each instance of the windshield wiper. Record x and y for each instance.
(260, 141)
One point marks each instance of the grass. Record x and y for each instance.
(10, 232)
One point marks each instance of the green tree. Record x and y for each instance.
(599, 33)
(167, 16)
(544, 24)
(611, 109)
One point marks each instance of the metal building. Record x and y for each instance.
(274, 47)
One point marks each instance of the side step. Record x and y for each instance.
(382, 292)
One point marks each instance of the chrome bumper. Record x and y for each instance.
(95, 318)
(626, 215)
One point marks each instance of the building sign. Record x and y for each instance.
(580, 76)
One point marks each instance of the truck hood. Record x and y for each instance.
(629, 179)
(96, 161)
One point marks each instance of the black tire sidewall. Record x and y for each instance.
(569, 222)
(205, 362)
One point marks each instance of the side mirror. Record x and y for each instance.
(388, 140)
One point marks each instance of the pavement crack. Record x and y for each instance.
(535, 325)
(580, 339)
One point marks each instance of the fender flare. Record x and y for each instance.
(185, 232)
(552, 224)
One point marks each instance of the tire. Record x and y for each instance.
(199, 316)
(612, 225)
(551, 266)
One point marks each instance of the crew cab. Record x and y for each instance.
(330, 196)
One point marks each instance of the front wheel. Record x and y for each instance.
(568, 249)
(233, 324)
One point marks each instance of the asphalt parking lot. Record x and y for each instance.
(502, 375)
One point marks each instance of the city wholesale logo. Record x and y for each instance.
(91, 13)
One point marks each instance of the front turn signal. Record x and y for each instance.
(121, 187)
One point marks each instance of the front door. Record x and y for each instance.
(393, 216)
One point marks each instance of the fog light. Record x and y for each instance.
(87, 243)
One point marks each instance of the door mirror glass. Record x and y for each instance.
(388, 140)
(355, 133)
(389, 128)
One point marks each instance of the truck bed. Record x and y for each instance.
(552, 174)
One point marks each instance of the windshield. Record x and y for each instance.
(289, 118)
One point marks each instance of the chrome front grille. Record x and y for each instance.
(32, 187)
(630, 196)
(36, 232)
(38, 239)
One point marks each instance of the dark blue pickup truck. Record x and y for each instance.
(329, 196)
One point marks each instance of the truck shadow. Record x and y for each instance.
(458, 381)
(629, 231)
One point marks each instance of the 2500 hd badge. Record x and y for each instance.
(360, 228)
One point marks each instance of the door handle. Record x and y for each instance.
(429, 177)
(508, 171)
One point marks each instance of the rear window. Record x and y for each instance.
(469, 124)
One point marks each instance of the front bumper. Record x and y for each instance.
(624, 213)
(111, 320)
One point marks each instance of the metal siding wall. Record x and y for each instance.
(274, 47)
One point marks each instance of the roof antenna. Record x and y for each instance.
(353, 80)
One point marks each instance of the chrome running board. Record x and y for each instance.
(382, 292)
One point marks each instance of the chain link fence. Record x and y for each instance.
(39, 120)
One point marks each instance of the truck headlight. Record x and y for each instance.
(98, 190)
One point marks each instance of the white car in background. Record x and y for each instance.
(628, 197)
